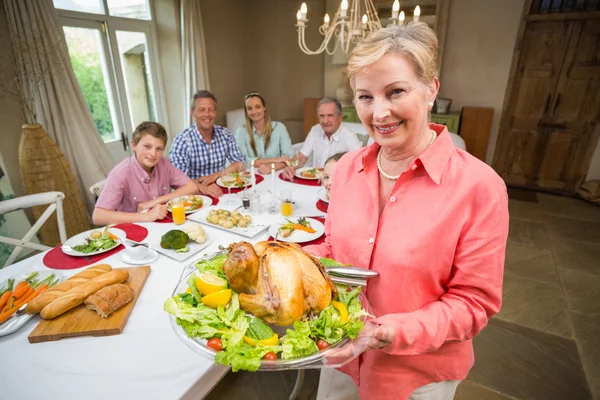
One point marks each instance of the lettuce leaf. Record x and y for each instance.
(214, 266)
(244, 356)
(297, 342)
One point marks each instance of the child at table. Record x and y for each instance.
(328, 170)
(142, 182)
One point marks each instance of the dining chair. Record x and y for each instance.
(97, 187)
(55, 203)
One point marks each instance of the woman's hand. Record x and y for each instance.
(264, 169)
(382, 336)
(158, 212)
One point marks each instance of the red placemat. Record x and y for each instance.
(259, 179)
(316, 241)
(56, 259)
(169, 217)
(322, 206)
(300, 181)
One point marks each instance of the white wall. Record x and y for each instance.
(478, 54)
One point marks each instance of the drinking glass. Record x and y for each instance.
(228, 181)
(294, 162)
(286, 203)
(245, 176)
(178, 211)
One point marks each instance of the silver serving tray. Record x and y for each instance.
(335, 356)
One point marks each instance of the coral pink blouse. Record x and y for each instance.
(439, 248)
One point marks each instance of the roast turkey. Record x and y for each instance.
(278, 281)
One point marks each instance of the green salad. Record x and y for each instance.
(97, 241)
(242, 341)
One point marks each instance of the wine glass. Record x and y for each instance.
(294, 161)
(245, 176)
(228, 181)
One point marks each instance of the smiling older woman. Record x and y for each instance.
(430, 218)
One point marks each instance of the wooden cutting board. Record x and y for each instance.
(83, 322)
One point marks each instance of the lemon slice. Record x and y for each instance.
(216, 299)
(272, 341)
(208, 283)
(341, 309)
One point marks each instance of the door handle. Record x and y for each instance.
(124, 141)
(554, 125)
(547, 103)
(556, 104)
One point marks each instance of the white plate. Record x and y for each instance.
(257, 225)
(150, 258)
(323, 195)
(15, 323)
(156, 231)
(300, 170)
(220, 183)
(207, 202)
(76, 240)
(298, 236)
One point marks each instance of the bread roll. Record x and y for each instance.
(109, 299)
(78, 294)
(36, 305)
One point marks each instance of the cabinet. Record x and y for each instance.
(451, 120)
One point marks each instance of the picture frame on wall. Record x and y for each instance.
(442, 105)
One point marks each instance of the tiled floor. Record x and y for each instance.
(545, 342)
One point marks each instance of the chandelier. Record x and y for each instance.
(347, 27)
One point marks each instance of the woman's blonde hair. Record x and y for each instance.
(268, 125)
(415, 41)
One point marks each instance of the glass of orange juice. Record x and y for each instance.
(286, 203)
(178, 211)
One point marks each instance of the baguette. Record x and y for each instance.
(109, 299)
(36, 305)
(78, 294)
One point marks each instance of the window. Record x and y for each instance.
(113, 56)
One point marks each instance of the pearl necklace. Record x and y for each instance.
(396, 177)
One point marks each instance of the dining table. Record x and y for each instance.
(147, 360)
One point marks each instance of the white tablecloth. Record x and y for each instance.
(147, 360)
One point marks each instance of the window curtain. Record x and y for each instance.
(193, 54)
(60, 106)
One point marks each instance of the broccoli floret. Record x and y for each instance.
(174, 239)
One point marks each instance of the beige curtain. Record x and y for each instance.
(193, 53)
(60, 106)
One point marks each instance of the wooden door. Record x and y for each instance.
(544, 48)
(550, 133)
(570, 130)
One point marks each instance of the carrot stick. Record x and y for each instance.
(20, 290)
(303, 228)
(5, 315)
(4, 299)
(9, 304)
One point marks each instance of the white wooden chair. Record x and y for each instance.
(55, 201)
(97, 187)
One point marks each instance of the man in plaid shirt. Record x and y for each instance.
(202, 150)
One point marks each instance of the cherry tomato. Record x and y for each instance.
(321, 344)
(215, 343)
(270, 356)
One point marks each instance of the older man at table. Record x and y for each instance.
(202, 150)
(327, 138)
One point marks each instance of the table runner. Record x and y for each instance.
(322, 206)
(56, 259)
